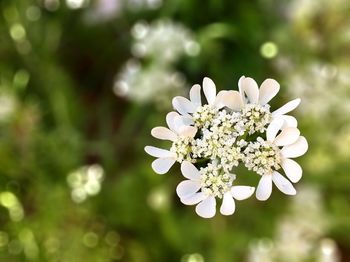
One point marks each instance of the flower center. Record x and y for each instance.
(214, 182)
(204, 115)
(262, 156)
(183, 148)
(256, 117)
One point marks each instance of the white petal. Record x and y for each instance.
(187, 131)
(184, 120)
(187, 188)
(250, 87)
(242, 192)
(162, 165)
(193, 199)
(287, 107)
(159, 152)
(195, 95)
(209, 90)
(180, 122)
(240, 88)
(289, 121)
(163, 133)
(287, 136)
(170, 117)
(292, 169)
(273, 129)
(189, 171)
(283, 184)
(268, 90)
(206, 208)
(228, 205)
(183, 105)
(296, 149)
(264, 190)
(220, 99)
(231, 99)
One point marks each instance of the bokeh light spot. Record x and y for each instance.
(158, 199)
(139, 30)
(90, 239)
(192, 48)
(17, 32)
(269, 50)
(112, 238)
(8, 200)
(21, 78)
(33, 13)
(16, 213)
(30, 247)
(195, 257)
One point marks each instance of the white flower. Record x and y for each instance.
(250, 94)
(219, 136)
(201, 113)
(181, 136)
(293, 145)
(202, 188)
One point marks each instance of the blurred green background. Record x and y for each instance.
(83, 82)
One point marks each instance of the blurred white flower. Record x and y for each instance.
(163, 40)
(324, 87)
(328, 251)
(76, 4)
(161, 44)
(105, 10)
(85, 181)
(142, 84)
(260, 250)
(299, 233)
(300, 11)
(136, 5)
(51, 5)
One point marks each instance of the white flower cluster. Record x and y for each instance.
(210, 140)
(327, 94)
(156, 48)
(164, 41)
(136, 82)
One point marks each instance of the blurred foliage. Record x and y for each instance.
(58, 114)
